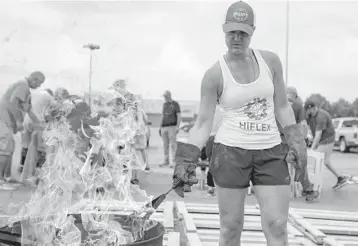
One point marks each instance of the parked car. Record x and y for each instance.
(346, 133)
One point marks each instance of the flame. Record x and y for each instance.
(85, 181)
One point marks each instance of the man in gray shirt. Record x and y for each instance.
(169, 127)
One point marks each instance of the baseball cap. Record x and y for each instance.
(309, 104)
(240, 17)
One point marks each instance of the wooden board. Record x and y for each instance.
(168, 221)
(211, 237)
(164, 215)
(214, 209)
(339, 227)
(172, 239)
(204, 224)
(342, 240)
(306, 228)
(327, 214)
(188, 220)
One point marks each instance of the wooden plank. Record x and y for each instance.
(216, 217)
(247, 237)
(339, 227)
(242, 244)
(168, 221)
(290, 229)
(173, 239)
(338, 230)
(248, 226)
(317, 235)
(294, 231)
(206, 205)
(188, 220)
(327, 214)
(338, 223)
(193, 239)
(244, 240)
(215, 210)
(249, 234)
(250, 223)
(345, 240)
(247, 241)
(306, 224)
(347, 243)
(208, 225)
(331, 242)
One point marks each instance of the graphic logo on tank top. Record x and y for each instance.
(256, 110)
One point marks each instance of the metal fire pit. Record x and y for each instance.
(152, 237)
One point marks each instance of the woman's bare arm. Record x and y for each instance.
(200, 132)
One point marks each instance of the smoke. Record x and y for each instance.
(84, 192)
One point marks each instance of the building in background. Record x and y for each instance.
(153, 108)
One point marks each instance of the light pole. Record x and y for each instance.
(287, 37)
(91, 47)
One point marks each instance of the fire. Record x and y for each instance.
(84, 191)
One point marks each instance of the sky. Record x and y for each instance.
(159, 45)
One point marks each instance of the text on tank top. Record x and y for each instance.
(248, 116)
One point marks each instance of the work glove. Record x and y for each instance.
(297, 154)
(186, 160)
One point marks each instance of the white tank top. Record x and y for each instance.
(248, 117)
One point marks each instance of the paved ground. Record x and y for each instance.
(159, 180)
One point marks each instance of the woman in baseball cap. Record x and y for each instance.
(247, 146)
(240, 17)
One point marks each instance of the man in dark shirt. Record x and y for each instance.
(300, 116)
(169, 127)
(322, 129)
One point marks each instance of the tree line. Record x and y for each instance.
(340, 108)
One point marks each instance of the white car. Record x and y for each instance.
(346, 133)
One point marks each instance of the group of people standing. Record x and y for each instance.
(31, 112)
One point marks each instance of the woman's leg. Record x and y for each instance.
(271, 180)
(231, 169)
(274, 204)
(231, 208)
